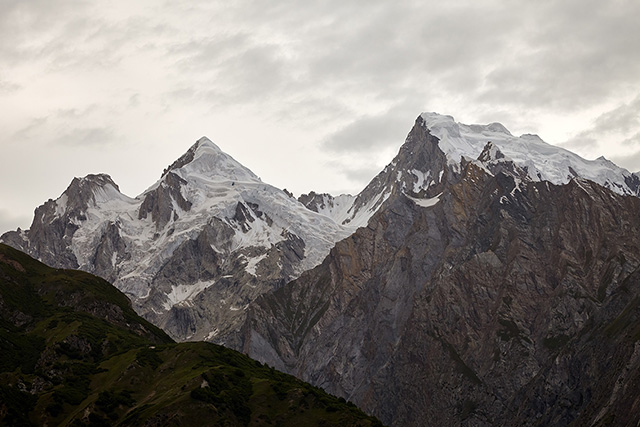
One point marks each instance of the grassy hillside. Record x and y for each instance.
(73, 352)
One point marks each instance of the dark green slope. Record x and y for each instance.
(73, 352)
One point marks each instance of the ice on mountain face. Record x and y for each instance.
(542, 161)
(361, 218)
(423, 180)
(205, 189)
(336, 208)
(426, 203)
(490, 153)
(211, 163)
(252, 264)
(108, 193)
(182, 294)
(61, 205)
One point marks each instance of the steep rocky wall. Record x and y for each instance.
(506, 302)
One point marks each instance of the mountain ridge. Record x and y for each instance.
(207, 210)
(212, 213)
(451, 295)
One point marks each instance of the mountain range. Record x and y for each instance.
(479, 279)
(192, 250)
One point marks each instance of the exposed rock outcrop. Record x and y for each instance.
(500, 301)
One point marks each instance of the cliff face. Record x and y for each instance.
(499, 300)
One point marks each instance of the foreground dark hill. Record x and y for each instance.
(486, 299)
(73, 352)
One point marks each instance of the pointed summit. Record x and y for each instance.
(207, 160)
(417, 170)
(188, 157)
(206, 143)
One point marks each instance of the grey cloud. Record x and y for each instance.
(548, 54)
(363, 175)
(71, 35)
(206, 53)
(93, 136)
(32, 130)
(134, 100)
(570, 55)
(632, 141)
(622, 122)
(257, 71)
(624, 118)
(11, 221)
(68, 127)
(75, 113)
(360, 57)
(320, 65)
(368, 134)
(181, 93)
(413, 49)
(311, 108)
(516, 56)
(94, 43)
(356, 177)
(8, 87)
(630, 162)
(28, 28)
(230, 69)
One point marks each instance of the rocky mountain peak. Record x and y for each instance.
(316, 201)
(418, 170)
(502, 292)
(528, 153)
(89, 191)
(490, 152)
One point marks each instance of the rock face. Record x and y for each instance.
(55, 222)
(482, 297)
(193, 250)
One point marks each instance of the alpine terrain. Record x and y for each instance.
(191, 251)
(479, 279)
(498, 284)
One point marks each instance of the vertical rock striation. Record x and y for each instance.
(487, 298)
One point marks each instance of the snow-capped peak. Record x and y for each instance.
(206, 143)
(205, 160)
(541, 160)
(92, 190)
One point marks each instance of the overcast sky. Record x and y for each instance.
(313, 95)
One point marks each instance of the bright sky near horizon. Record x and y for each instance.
(315, 95)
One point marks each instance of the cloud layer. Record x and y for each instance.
(314, 96)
